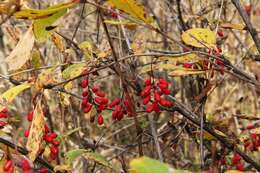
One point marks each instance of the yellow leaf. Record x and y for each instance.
(132, 8)
(22, 52)
(9, 95)
(199, 37)
(63, 168)
(232, 26)
(35, 138)
(180, 71)
(43, 13)
(185, 58)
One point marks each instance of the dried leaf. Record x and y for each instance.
(232, 26)
(199, 37)
(22, 52)
(36, 133)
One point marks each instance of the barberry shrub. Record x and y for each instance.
(129, 86)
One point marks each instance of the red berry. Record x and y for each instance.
(53, 156)
(114, 103)
(53, 135)
(46, 129)
(220, 33)
(28, 171)
(87, 108)
(222, 161)
(26, 133)
(157, 96)
(84, 102)
(3, 115)
(101, 107)
(113, 14)
(254, 136)
(156, 107)
(250, 126)
(149, 109)
(166, 91)
(84, 94)
(54, 149)
(146, 100)
(84, 83)
(163, 86)
(100, 94)
(187, 65)
(94, 89)
(48, 138)
(100, 100)
(120, 115)
(146, 91)
(2, 123)
(25, 165)
(8, 165)
(30, 116)
(5, 110)
(100, 119)
(240, 166)
(56, 143)
(236, 158)
(147, 82)
(220, 63)
(114, 115)
(165, 103)
(163, 81)
(43, 170)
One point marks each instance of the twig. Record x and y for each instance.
(25, 152)
(248, 23)
(155, 138)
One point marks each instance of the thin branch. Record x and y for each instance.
(248, 23)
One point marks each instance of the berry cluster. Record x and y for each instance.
(49, 137)
(236, 160)
(99, 98)
(153, 95)
(3, 114)
(24, 165)
(120, 108)
(252, 143)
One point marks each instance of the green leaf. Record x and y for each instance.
(9, 95)
(70, 156)
(73, 70)
(36, 59)
(43, 28)
(146, 164)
